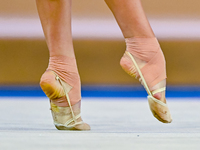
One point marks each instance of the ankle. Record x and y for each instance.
(142, 48)
(65, 69)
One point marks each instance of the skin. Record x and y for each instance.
(131, 18)
(55, 16)
(133, 22)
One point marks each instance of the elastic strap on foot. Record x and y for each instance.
(140, 73)
(74, 118)
(158, 90)
(157, 101)
(71, 120)
(149, 51)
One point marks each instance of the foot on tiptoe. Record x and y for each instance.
(64, 94)
(144, 60)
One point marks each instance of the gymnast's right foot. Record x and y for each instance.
(61, 84)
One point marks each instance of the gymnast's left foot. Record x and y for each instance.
(144, 59)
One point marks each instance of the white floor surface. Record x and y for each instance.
(117, 124)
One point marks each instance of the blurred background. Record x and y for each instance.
(99, 45)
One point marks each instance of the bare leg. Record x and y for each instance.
(132, 20)
(61, 81)
(55, 16)
(144, 48)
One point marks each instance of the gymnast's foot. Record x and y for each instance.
(61, 84)
(144, 59)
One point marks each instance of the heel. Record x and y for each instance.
(65, 118)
